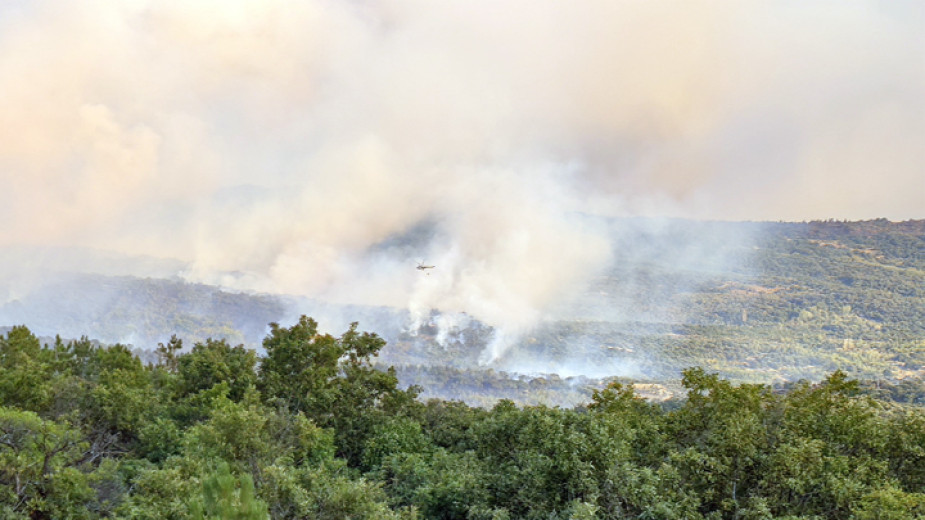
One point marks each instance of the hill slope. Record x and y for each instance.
(761, 302)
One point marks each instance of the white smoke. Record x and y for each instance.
(272, 145)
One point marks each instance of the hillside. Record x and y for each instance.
(141, 311)
(791, 301)
(760, 302)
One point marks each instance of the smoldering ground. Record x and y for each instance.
(275, 147)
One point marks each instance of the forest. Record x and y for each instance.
(316, 429)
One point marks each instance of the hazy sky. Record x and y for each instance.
(281, 140)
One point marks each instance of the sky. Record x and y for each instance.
(276, 145)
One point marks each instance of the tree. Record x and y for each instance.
(721, 435)
(168, 355)
(333, 382)
(214, 362)
(300, 367)
(225, 497)
(38, 467)
(25, 374)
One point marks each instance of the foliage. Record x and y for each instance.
(332, 381)
(319, 432)
(226, 498)
(214, 362)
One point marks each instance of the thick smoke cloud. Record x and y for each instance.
(276, 145)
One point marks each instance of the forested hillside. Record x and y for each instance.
(787, 301)
(755, 302)
(313, 430)
(816, 297)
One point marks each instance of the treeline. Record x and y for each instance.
(313, 430)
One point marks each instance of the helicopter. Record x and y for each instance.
(422, 267)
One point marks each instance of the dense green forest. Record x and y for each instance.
(313, 430)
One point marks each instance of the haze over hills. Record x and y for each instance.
(763, 302)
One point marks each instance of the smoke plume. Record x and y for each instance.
(324, 147)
